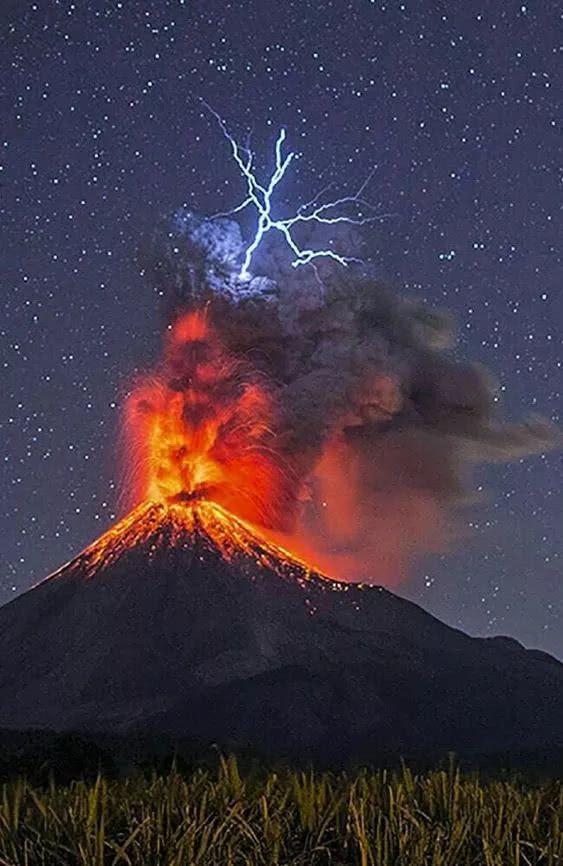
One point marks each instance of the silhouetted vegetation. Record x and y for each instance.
(224, 816)
(43, 757)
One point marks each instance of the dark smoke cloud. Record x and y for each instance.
(380, 422)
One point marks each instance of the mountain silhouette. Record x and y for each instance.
(183, 620)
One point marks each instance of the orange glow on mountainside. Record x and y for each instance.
(158, 526)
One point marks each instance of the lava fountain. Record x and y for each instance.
(200, 438)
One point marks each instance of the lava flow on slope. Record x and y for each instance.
(157, 526)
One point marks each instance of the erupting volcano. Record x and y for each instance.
(201, 441)
(282, 430)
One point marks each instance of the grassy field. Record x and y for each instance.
(220, 817)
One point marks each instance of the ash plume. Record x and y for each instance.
(376, 419)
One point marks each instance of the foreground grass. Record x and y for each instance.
(371, 819)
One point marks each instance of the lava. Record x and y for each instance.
(158, 527)
(201, 435)
(203, 429)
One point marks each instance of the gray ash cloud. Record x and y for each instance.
(381, 423)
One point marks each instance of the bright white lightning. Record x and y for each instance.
(260, 196)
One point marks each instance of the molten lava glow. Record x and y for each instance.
(201, 437)
(161, 527)
(203, 429)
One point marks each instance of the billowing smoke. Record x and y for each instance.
(380, 424)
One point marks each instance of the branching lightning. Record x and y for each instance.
(260, 197)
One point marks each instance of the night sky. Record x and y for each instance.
(459, 107)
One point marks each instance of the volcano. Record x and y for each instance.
(183, 620)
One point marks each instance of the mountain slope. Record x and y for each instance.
(185, 621)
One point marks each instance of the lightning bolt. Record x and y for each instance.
(260, 197)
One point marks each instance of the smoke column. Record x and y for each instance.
(374, 424)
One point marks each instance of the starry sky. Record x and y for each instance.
(456, 105)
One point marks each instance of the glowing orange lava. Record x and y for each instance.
(156, 527)
(201, 435)
(204, 429)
